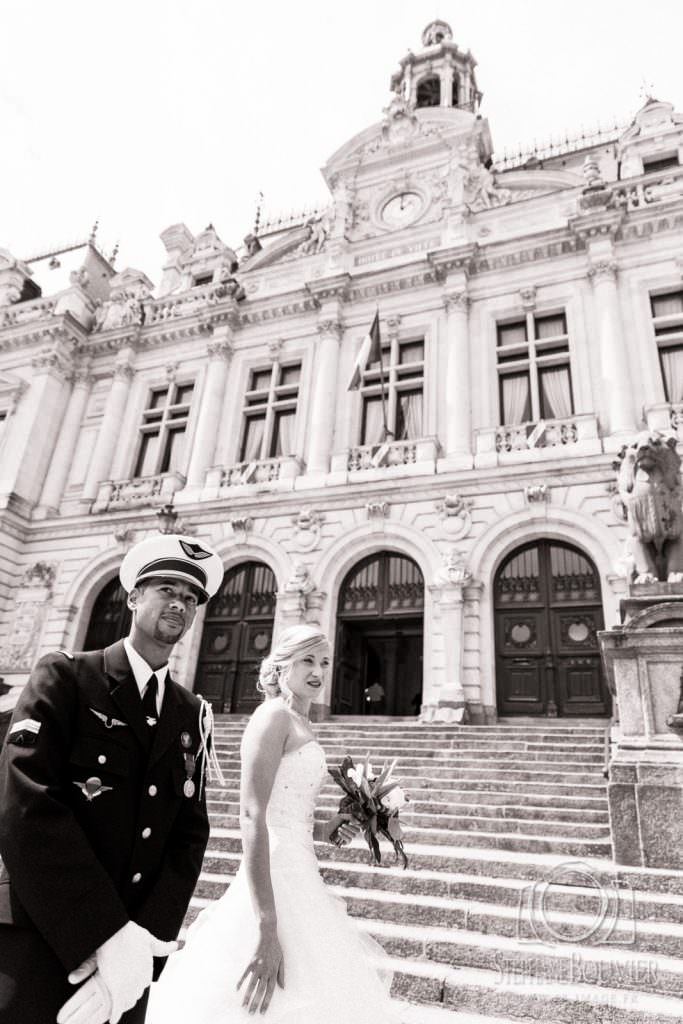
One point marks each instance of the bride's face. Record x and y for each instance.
(307, 674)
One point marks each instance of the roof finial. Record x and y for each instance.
(257, 219)
(114, 254)
(646, 91)
(93, 233)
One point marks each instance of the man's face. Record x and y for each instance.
(163, 608)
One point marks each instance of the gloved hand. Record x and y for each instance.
(91, 1004)
(124, 970)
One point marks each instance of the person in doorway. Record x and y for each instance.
(374, 698)
(104, 822)
(278, 942)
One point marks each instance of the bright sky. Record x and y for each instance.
(143, 113)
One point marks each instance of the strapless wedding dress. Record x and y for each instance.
(330, 977)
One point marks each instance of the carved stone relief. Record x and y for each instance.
(31, 604)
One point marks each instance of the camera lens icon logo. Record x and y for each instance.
(573, 906)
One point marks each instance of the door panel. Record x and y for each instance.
(547, 614)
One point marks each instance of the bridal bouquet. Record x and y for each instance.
(374, 801)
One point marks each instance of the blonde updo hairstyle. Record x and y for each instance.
(292, 644)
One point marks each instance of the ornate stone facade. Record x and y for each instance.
(454, 248)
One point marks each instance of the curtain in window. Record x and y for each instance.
(672, 368)
(147, 459)
(512, 334)
(373, 421)
(556, 393)
(516, 399)
(666, 305)
(253, 439)
(409, 416)
(175, 450)
(283, 442)
(550, 326)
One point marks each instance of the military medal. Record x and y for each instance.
(188, 785)
(186, 740)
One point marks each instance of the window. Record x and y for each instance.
(534, 376)
(201, 279)
(270, 413)
(658, 164)
(429, 92)
(162, 433)
(667, 319)
(403, 370)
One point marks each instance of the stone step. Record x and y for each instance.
(328, 803)
(454, 756)
(472, 771)
(495, 997)
(531, 920)
(575, 737)
(557, 890)
(599, 966)
(442, 743)
(568, 847)
(490, 863)
(442, 826)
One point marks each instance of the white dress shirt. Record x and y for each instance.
(142, 671)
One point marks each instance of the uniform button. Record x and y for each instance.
(102, 759)
(136, 878)
(152, 791)
(146, 833)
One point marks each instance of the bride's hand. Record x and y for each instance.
(341, 829)
(265, 968)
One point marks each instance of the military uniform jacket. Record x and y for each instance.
(95, 825)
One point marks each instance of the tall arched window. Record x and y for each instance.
(110, 617)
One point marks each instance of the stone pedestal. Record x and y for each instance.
(644, 663)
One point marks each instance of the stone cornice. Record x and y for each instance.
(600, 224)
(293, 304)
(327, 288)
(457, 257)
(56, 329)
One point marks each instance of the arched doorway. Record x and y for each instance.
(548, 609)
(378, 660)
(237, 634)
(110, 618)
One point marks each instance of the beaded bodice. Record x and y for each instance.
(298, 780)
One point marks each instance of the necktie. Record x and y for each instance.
(149, 701)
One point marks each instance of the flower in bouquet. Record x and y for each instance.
(374, 800)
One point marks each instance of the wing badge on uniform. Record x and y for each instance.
(92, 787)
(108, 721)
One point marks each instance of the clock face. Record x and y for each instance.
(401, 209)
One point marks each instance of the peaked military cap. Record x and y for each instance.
(180, 558)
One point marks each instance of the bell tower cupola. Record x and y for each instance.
(441, 75)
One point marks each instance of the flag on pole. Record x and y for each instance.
(369, 352)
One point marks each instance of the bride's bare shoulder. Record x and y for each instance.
(270, 719)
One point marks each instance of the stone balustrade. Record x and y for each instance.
(137, 492)
(158, 311)
(637, 193)
(415, 456)
(527, 442)
(278, 472)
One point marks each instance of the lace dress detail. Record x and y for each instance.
(329, 973)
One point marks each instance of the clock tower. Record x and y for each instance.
(420, 166)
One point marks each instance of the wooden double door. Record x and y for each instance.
(548, 610)
(237, 635)
(380, 638)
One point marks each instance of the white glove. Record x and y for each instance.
(125, 965)
(91, 1004)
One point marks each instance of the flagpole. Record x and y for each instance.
(386, 433)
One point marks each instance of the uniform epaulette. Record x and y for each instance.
(67, 654)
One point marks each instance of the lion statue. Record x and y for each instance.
(649, 484)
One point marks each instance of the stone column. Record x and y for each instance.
(614, 370)
(67, 440)
(35, 427)
(450, 703)
(324, 397)
(213, 395)
(110, 428)
(458, 383)
(446, 85)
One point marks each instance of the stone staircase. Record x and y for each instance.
(511, 908)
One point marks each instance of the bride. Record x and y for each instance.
(278, 941)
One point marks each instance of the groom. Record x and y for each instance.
(103, 824)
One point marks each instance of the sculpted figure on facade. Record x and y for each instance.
(649, 482)
(319, 232)
(481, 190)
